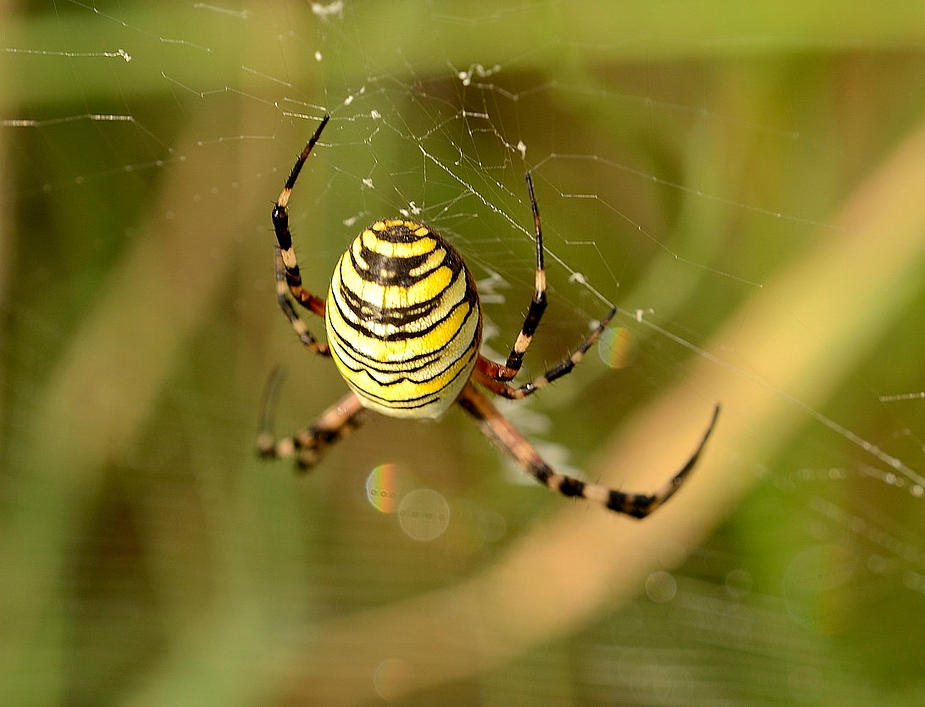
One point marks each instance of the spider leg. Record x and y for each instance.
(537, 304)
(500, 431)
(308, 444)
(282, 297)
(492, 375)
(496, 377)
(286, 259)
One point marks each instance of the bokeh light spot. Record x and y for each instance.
(424, 514)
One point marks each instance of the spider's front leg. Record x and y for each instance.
(282, 297)
(497, 377)
(308, 444)
(500, 431)
(491, 375)
(288, 275)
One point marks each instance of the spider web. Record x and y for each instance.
(747, 194)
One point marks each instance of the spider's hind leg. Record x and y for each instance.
(641, 505)
(308, 444)
(500, 431)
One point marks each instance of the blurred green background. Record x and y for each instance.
(744, 180)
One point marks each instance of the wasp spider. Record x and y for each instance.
(404, 326)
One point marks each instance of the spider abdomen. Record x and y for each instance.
(403, 319)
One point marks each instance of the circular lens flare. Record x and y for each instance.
(617, 347)
(424, 514)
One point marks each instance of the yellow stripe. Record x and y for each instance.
(419, 229)
(393, 296)
(397, 250)
(433, 260)
(378, 349)
(451, 297)
(357, 249)
(387, 393)
(395, 388)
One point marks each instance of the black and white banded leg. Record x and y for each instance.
(308, 444)
(497, 428)
(537, 304)
(288, 276)
(484, 369)
(497, 377)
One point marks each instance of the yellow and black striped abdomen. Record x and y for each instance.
(403, 319)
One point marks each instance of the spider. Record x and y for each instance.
(404, 327)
